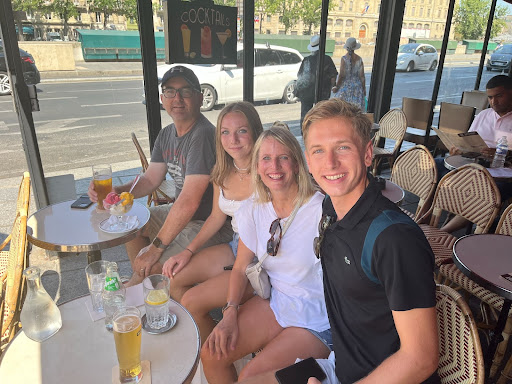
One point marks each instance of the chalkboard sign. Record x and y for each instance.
(201, 33)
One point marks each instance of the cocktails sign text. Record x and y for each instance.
(201, 33)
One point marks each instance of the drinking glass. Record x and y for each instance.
(127, 336)
(96, 273)
(156, 300)
(102, 179)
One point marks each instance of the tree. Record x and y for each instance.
(107, 7)
(289, 12)
(311, 12)
(24, 6)
(471, 19)
(264, 7)
(66, 9)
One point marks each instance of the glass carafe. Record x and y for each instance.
(40, 316)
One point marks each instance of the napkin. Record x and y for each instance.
(130, 220)
(134, 298)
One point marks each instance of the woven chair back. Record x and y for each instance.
(469, 191)
(460, 353)
(142, 156)
(505, 224)
(417, 112)
(415, 171)
(477, 99)
(392, 126)
(455, 117)
(15, 264)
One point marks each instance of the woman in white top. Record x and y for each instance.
(293, 323)
(238, 127)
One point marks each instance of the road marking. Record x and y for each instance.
(78, 118)
(3, 126)
(58, 98)
(430, 80)
(53, 129)
(6, 111)
(95, 90)
(104, 105)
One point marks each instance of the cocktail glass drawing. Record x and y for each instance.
(223, 36)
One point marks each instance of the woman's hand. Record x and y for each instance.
(335, 89)
(224, 335)
(176, 263)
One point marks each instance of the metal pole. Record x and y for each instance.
(248, 39)
(321, 51)
(484, 48)
(22, 104)
(440, 66)
(148, 53)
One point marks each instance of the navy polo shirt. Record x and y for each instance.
(359, 309)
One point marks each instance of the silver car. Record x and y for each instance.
(275, 74)
(416, 56)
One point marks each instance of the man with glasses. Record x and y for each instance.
(186, 150)
(377, 265)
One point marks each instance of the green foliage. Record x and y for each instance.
(471, 19)
(289, 13)
(227, 3)
(65, 9)
(311, 12)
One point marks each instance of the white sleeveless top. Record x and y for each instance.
(229, 207)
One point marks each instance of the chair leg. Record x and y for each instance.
(500, 352)
(376, 163)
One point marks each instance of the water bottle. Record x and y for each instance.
(501, 153)
(40, 316)
(114, 294)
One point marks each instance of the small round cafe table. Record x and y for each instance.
(457, 161)
(393, 192)
(486, 259)
(58, 227)
(83, 351)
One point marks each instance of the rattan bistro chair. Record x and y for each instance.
(469, 191)
(165, 194)
(477, 99)
(12, 264)
(415, 171)
(392, 126)
(460, 353)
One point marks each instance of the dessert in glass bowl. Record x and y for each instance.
(118, 205)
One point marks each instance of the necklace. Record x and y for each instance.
(244, 170)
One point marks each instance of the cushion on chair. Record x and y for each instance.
(441, 243)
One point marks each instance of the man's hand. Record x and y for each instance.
(147, 257)
(92, 193)
(455, 151)
(176, 263)
(224, 335)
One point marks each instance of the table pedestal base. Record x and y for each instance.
(496, 337)
(93, 256)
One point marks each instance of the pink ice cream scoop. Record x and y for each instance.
(112, 198)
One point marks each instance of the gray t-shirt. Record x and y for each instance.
(190, 154)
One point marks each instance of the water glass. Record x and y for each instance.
(96, 273)
(156, 300)
(127, 336)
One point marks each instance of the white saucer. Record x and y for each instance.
(105, 227)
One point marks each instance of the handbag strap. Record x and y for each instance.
(285, 228)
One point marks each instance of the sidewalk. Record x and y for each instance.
(124, 69)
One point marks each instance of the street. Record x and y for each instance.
(86, 123)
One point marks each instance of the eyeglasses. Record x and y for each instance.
(322, 226)
(186, 92)
(273, 243)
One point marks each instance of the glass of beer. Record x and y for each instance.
(156, 300)
(127, 334)
(102, 179)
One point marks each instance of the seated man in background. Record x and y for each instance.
(186, 150)
(377, 265)
(491, 124)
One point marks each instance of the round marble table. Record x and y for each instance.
(393, 192)
(83, 351)
(59, 227)
(457, 161)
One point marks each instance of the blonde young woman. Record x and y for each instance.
(293, 323)
(238, 127)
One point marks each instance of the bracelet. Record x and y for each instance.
(229, 304)
(190, 251)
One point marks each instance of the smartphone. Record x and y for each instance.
(300, 372)
(228, 267)
(83, 202)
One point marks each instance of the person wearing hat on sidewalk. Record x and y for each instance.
(306, 78)
(185, 150)
(350, 85)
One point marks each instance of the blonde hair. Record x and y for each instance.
(303, 179)
(333, 108)
(224, 162)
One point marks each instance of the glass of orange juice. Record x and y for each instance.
(102, 179)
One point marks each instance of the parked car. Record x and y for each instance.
(275, 74)
(500, 59)
(416, 56)
(28, 65)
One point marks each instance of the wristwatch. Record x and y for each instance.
(158, 243)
